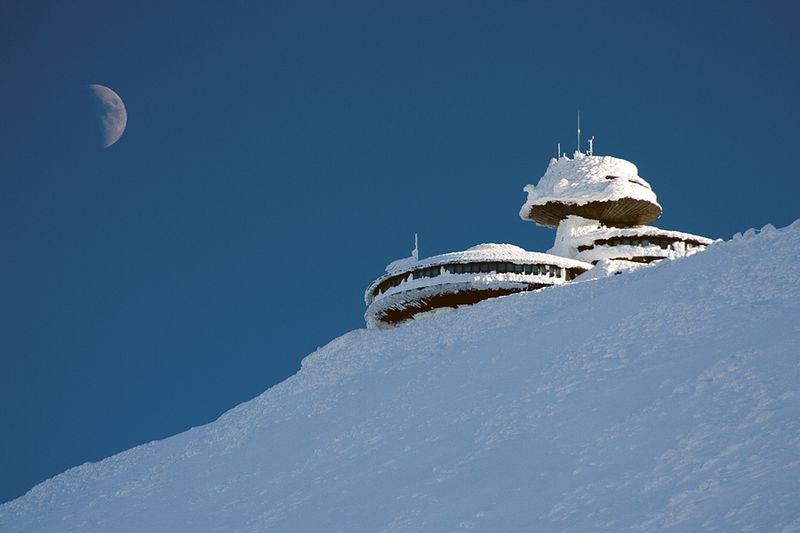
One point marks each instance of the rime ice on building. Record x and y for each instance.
(593, 187)
(413, 286)
(599, 206)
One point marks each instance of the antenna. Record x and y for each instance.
(558, 151)
(591, 145)
(415, 251)
(579, 130)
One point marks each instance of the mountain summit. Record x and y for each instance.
(665, 398)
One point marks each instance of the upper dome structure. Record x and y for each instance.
(603, 188)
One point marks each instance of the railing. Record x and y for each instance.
(662, 242)
(552, 271)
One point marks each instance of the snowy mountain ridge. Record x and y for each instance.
(665, 398)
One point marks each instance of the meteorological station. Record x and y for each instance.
(600, 208)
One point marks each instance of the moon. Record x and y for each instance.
(111, 113)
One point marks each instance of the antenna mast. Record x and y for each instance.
(415, 251)
(579, 130)
(591, 145)
(558, 151)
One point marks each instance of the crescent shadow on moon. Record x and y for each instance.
(112, 114)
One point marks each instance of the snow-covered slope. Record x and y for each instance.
(665, 398)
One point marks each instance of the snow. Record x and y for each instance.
(399, 265)
(478, 280)
(583, 179)
(609, 267)
(415, 290)
(486, 252)
(575, 231)
(665, 398)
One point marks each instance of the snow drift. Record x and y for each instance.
(665, 398)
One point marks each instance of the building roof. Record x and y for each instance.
(602, 187)
(486, 252)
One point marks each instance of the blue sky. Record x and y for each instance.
(278, 156)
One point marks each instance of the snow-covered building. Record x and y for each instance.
(594, 187)
(591, 240)
(411, 286)
(599, 206)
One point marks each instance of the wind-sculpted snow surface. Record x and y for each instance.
(665, 398)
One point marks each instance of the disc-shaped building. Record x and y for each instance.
(593, 187)
(599, 206)
(410, 287)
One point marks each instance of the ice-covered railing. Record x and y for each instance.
(588, 240)
(544, 274)
(482, 253)
(426, 288)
